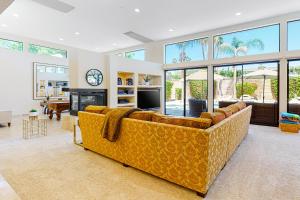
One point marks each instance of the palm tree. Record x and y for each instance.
(182, 46)
(235, 49)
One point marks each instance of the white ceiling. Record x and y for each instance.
(101, 23)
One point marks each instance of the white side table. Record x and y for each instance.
(34, 127)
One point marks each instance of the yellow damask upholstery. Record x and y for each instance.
(190, 157)
(95, 109)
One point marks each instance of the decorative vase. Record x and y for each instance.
(147, 83)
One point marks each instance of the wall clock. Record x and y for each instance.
(94, 77)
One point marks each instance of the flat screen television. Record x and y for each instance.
(148, 99)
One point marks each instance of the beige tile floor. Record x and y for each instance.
(266, 166)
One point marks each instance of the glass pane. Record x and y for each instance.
(174, 92)
(227, 84)
(294, 87)
(192, 50)
(75, 102)
(60, 70)
(260, 82)
(293, 35)
(136, 55)
(50, 69)
(10, 44)
(41, 50)
(196, 92)
(249, 42)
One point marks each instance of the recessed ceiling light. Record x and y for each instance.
(137, 10)
(171, 30)
(61, 39)
(4, 25)
(238, 14)
(114, 44)
(77, 33)
(16, 15)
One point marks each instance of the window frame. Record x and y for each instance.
(184, 86)
(182, 41)
(247, 63)
(37, 45)
(12, 41)
(248, 29)
(141, 49)
(288, 81)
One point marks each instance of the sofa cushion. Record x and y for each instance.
(241, 105)
(106, 110)
(156, 117)
(215, 117)
(234, 108)
(95, 109)
(142, 115)
(187, 122)
(226, 111)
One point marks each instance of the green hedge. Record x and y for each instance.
(198, 89)
(246, 88)
(169, 85)
(294, 87)
(178, 93)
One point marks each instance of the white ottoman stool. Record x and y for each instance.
(5, 117)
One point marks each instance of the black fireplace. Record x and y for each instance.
(81, 98)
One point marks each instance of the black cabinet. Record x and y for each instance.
(81, 98)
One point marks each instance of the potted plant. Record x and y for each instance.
(147, 79)
(33, 113)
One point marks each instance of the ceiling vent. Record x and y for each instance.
(138, 37)
(56, 5)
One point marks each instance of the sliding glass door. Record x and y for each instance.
(186, 92)
(255, 83)
(294, 86)
(195, 91)
(174, 88)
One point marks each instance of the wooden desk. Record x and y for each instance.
(58, 107)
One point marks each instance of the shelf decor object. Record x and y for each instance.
(94, 77)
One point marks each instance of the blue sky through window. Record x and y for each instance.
(268, 35)
(136, 55)
(192, 50)
(293, 35)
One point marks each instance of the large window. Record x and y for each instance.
(10, 44)
(249, 42)
(294, 86)
(41, 50)
(136, 55)
(192, 50)
(186, 92)
(293, 35)
(256, 84)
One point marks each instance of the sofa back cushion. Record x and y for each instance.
(95, 109)
(201, 123)
(142, 115)
(215, 117)
(227, 111)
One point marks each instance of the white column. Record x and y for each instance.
(210, 76)
(283, 95)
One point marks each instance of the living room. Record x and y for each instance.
(164, 106)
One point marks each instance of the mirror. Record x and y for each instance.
(94, 77)
(50, 80)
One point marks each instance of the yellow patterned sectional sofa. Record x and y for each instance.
(190, 157)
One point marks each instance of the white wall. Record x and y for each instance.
(16, 72)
